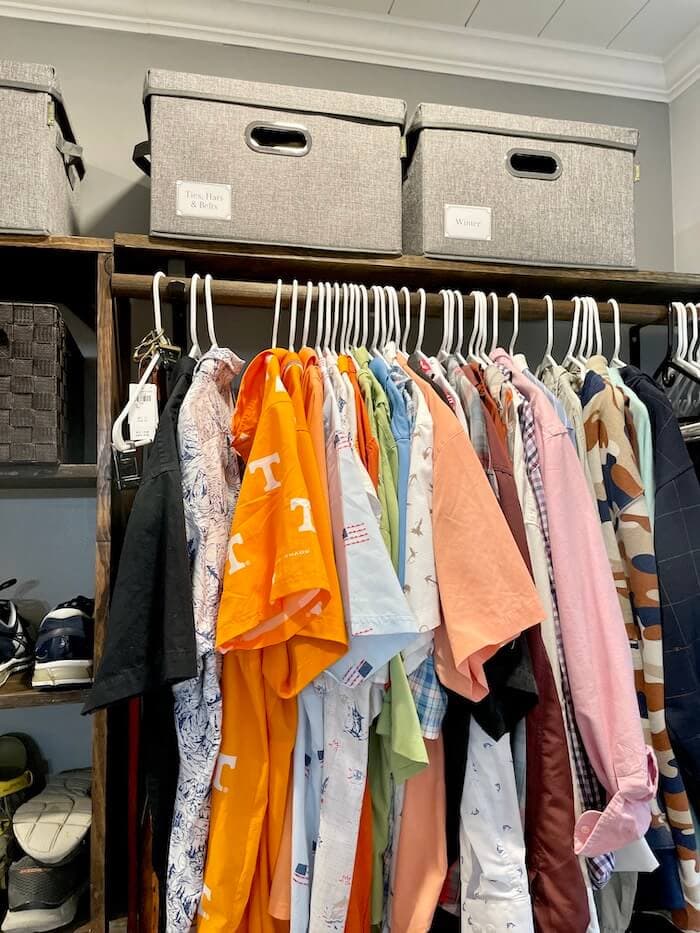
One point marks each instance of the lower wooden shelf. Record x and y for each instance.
(18, 692)
(50, 476)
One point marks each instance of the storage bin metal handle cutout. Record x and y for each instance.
(533, 163)
(285, 139)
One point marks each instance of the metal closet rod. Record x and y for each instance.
(262, 295)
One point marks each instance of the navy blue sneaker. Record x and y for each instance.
(16, 648)
(63, 653)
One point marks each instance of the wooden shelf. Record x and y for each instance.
(145, 255)
(73, 244)
(18, 693)
(38, 476)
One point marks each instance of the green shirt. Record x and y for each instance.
(396, 753)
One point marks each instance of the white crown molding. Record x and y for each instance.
(363, 37)
(683, 65)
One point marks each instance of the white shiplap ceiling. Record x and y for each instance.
(635, 48)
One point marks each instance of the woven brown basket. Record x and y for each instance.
(32, 384)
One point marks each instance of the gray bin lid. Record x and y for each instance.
(358, 107)
(42, 79)
(468, 119)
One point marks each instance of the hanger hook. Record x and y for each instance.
(307, 313)
(460, 321)
(208, 304)
(293, 315)
(157, 316)
(407, 318)
(195, 350)
(516, 322)
(320, 316)
(421, 320)
(276, 318)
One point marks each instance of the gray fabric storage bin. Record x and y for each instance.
(262, 163)
(483, 185)
(40, 161)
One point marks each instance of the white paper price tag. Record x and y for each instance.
(143, 414)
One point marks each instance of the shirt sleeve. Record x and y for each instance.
(275, 577)
(598, 661)
(486, 593)
(150, 639)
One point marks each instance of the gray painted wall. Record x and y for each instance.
(102, 75)
(685, 145)
(48, 544)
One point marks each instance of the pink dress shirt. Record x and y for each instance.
(595, 642)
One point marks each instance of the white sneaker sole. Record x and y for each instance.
(13, 666)
(62, 674)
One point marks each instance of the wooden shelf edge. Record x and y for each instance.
(411, 269)
(19, 694)
(39, 476)
(82, 244)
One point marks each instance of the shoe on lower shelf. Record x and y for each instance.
(16, 781)
(44, 897)
(64, 646)
(55, 823)
(16, 647)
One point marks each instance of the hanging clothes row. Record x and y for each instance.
(416, 636)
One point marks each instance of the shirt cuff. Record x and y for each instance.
(497, 915)
(626, 817)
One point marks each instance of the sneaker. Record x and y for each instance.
(17, 766)
(55, 823)
(63, 653)
(16, 648)
(44, 897)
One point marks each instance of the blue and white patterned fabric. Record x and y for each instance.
(210, 485)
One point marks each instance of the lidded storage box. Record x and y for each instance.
(41, 163)
(33, 394)
(264, 163)
(483, 185)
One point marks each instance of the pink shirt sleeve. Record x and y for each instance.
(598, 657)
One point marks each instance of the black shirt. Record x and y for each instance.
(150, 639)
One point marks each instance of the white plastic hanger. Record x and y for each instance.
(494, 331)
(320, 319)
(548, 359)
(570, 360)
(486, 357)
(344, 316)
(418, 349)
(378, 307)
(447, 304)
(583, 333)
(597, 328)
(354, 340)
(475, 336)
(276, 315)
(328, 319)
(293, 315)
(307, 313)
(690, 355)
(460, 327)
(365, 316)
(615, 360)
(195, 350)
(210, 312)
(118, 442)
(516, 323)
(407, 311)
